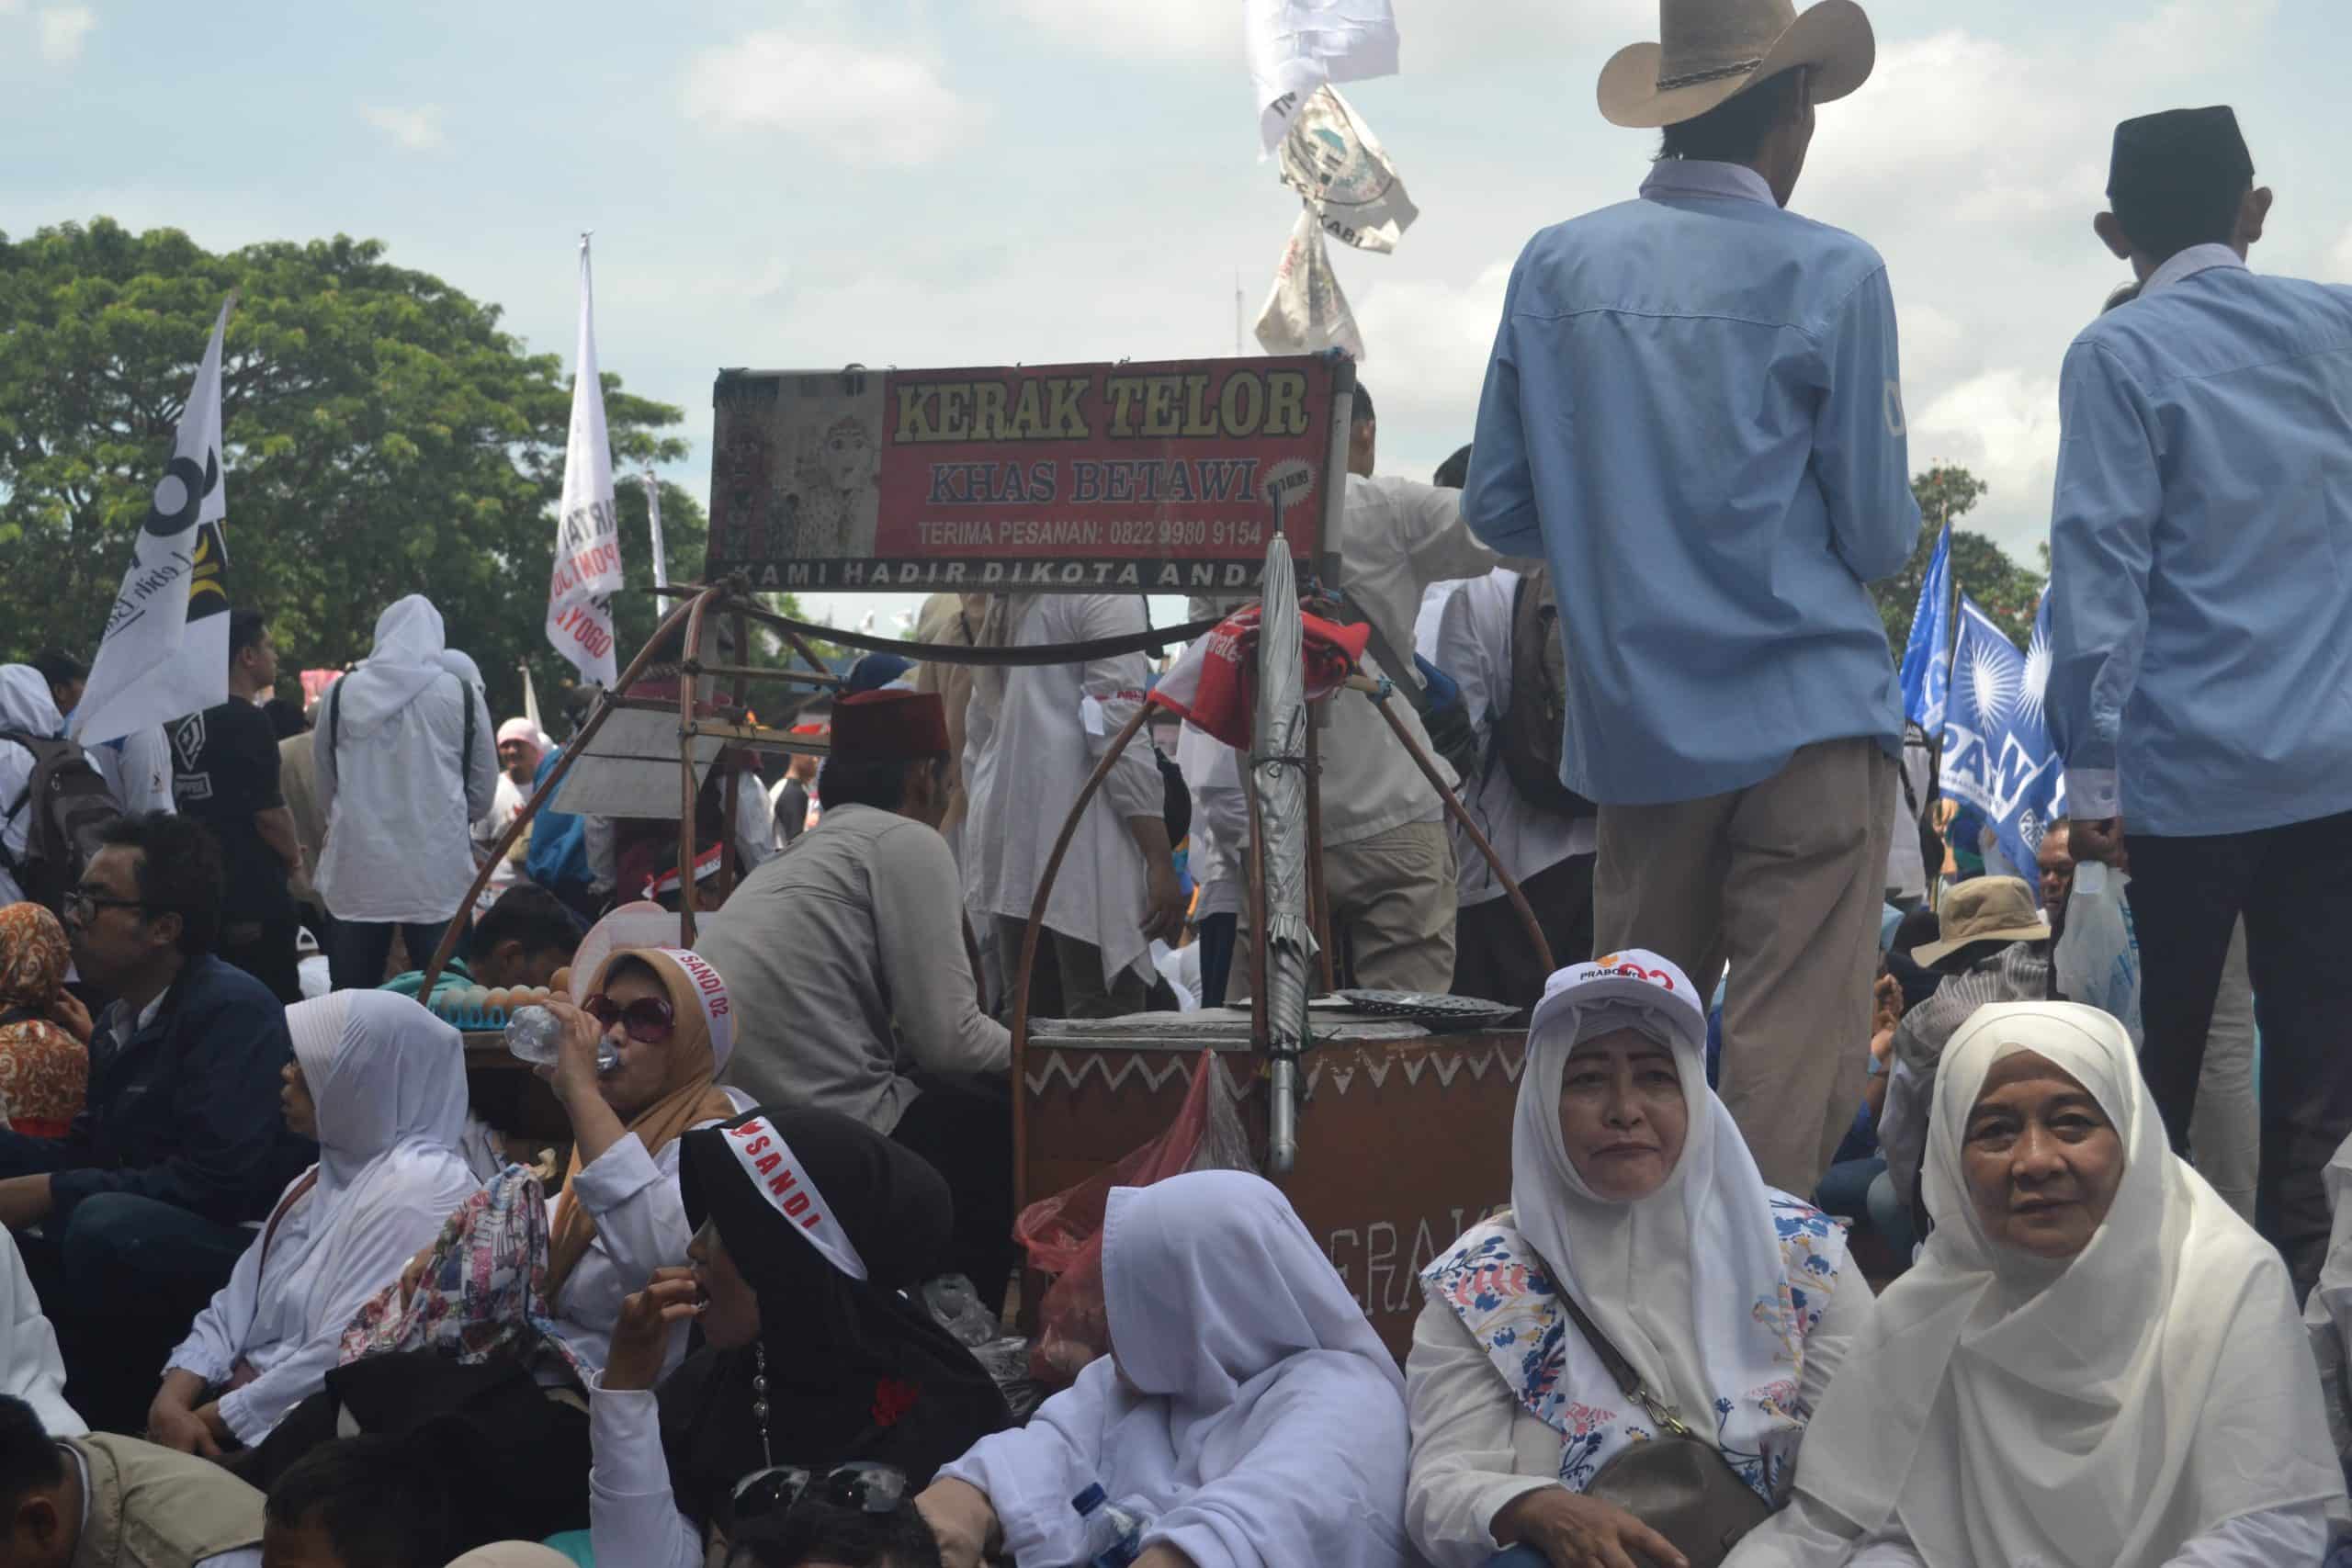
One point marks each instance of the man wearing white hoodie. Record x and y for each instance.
(406, 764)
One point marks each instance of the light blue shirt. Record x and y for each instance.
(1693, 411)
(2201, 552)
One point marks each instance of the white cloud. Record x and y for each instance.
(418, 129)
(63, 28)
(1149, 31)
(1429, 340)
(2001, 426)
(866, 105)
(2339, 259)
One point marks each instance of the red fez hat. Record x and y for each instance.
(889, 727)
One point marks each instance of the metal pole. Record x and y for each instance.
(1029, 937)
(573, 750)
(686, 781)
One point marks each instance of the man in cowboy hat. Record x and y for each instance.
(2202, 640)
(1694, 411)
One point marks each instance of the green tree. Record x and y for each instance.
(383, 435)
(2007, 592)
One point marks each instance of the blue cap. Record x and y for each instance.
(1089, 1500)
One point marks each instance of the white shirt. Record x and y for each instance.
(640, 1226)
(1474, 646)
(137, 769)
(25, 705)
(506, 803)
(235, 1557)
(31, 1368)
(400, 804)
(1055, 723)
(1212, 772)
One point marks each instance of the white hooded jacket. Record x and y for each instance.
(1248, 1408)
(389, 1080)
(398, 784)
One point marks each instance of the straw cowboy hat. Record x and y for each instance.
(1715, 49)
(1984, 908)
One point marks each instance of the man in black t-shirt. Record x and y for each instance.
(224, 764)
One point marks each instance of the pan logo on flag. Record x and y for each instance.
(1288, 482)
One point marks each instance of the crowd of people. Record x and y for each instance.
(1836, 1231)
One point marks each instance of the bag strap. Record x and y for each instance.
(1629, 1382)
(300, 1190)
(1401, 676)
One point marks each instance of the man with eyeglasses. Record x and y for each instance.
(142, 1205)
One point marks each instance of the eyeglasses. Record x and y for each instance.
(867, 1487)
(80, 905)
(648, 1020)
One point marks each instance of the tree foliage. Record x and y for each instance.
(383, 435)
(2007, 592)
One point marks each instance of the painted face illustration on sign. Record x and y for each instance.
(849, 454)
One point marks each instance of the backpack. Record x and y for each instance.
(67, 807)
(1529, 732)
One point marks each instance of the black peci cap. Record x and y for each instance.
(2179, 152)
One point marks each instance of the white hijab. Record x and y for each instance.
(407, 658)
(1246, 1401)
(1689, 1282)
(389, 1080)
(2095, 1414)
(26, 703)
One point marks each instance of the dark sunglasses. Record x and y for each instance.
(867, 1487)
(648, 1020)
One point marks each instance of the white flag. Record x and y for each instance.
(164, 653)
(587, 534)
(1307, 313)
(1333, 159)
(1296, 46)
(653, 527)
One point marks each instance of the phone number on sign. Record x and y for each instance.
(1143, 533)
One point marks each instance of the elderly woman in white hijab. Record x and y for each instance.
(406, 765)
(380, 1083)
(1247, 1412)
(1635, 1203)
(2094, 1364)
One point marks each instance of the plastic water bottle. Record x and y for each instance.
(534, 1034)
(1113, 1530)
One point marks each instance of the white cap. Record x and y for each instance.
(1633, 975)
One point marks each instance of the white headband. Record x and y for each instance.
(712, 990)
(768, 1160)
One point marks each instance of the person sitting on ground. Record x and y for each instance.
(44, 1032)
(1246, 1408)
(364, 1502)
(2094, 1364)
(810, 1227)
(522, 940)
(1994, 947)
(1637, 1218)
(819, 1533)
(506, 1303)
(380, 1084)
(141, 1204)
(96, 1500)
(846, 957)
(31, 1368)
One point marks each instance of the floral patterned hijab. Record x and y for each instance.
(44, 1071)
(33, 958)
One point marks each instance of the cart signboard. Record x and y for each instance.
(1163, 478)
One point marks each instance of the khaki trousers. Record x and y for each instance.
(1784, 880)
(1393, 900)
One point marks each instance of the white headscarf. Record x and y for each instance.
(1246, 1401)
(26, 703)
(389, 1081)
(1689, 1282)
(2095, 1414)
(407, 658)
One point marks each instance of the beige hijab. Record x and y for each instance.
(690, 1097)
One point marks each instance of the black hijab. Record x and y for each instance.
(855, 1370)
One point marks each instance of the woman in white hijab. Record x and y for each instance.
(1633, 1196)
(1247, 1410)
(405, 766)
(380, 1083)
(2094, 1364)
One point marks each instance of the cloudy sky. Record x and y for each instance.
(957, 181)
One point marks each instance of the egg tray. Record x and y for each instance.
(469, 1009)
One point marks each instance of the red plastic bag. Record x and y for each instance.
(1063, 1235)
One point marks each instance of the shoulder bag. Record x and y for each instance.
(1677, 1484)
